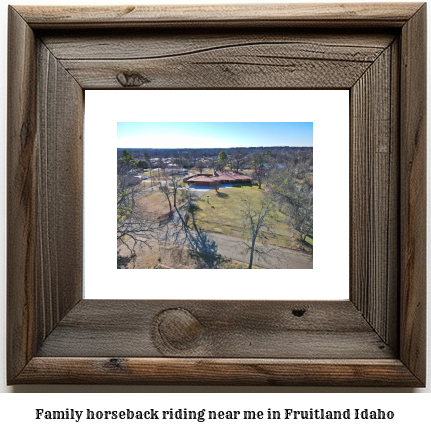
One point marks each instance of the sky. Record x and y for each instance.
(213, 134)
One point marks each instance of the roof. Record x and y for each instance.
(200, 178)
(229, 175)
(219, 176)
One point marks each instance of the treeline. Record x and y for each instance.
(208, 152)
(237, 158)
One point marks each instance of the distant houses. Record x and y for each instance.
(219, 177)
(174, 169)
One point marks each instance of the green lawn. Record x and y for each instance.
(222, 214)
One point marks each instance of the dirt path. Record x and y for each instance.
(277, 257)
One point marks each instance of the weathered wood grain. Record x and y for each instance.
(59, 182)
(231, 71)
(300, 15)
(329, 372)
(235, 329)
(264, 65)
(139, 44)
(374, 194)
(213, 60)
(413, 194)
(21, 194)
(392, 304)
(45, 106)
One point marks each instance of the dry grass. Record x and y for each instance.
(153, 203)
(223, 214)
(167, 256)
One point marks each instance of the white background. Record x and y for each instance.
(329, 278)
(17, 410)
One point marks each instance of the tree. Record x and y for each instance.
(213, 163)
(238, 159)
(183, 204)
(142, 164)
(222, 160)
(300, 209)
(133, 227)
(295, 197)
(193, 209)
(171, 188)
(216, 184)
(257, 221)
(126, 162)
(259, 168)
(200, 166)
(148, 160)
(190, 206)
(163, 165)
(164, 189)
(181, 162)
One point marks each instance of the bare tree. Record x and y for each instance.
(193, 209)
(294, 194)
(257, 222)
(190, 206)
(171, 187)
(213, 163)
(238, 159)
(200, 166)
(259, 168)
(167, 192)
(216, 184)
(176, 230)
(300, 209)
(163, 165)
(134, 227)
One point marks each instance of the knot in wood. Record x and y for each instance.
(131, 79)
(115, 363)
(298, 312)
(178, 329)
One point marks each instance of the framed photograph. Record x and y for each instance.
(217, 233)
(169, 57)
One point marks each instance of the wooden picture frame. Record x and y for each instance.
(376, 338)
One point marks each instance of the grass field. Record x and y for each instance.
(222, 214)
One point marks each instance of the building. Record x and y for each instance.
(175, 170)
(221, 177)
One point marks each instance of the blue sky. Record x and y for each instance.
(216, 134)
